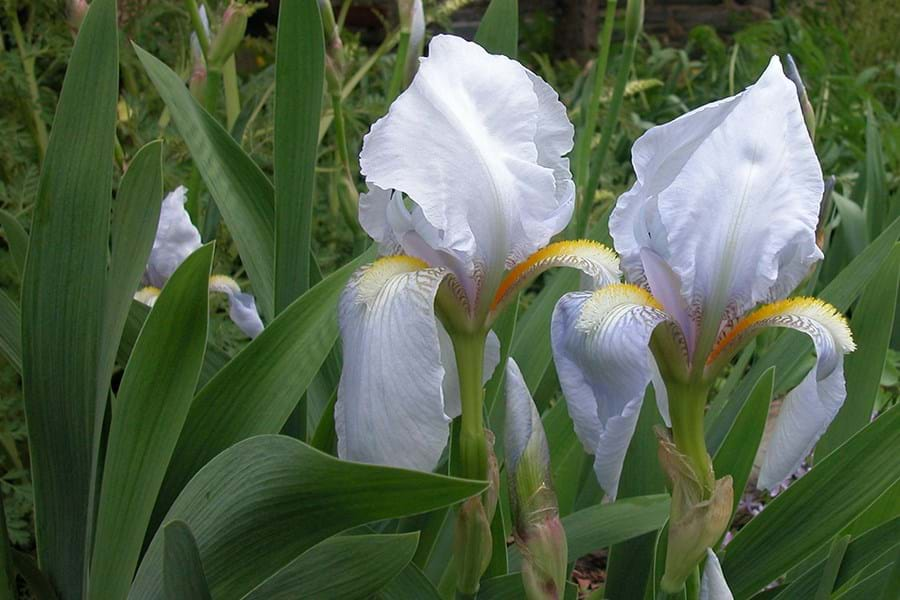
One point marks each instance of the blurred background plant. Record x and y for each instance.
(847, 53)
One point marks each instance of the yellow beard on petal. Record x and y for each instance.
(372, 278)
(572, 253)
(803, 307)
(608, 298)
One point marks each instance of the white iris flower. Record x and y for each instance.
(176, 238)
(468, 182)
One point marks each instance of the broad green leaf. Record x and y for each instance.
(63, 298)
(876, 207)
(630, 562)
(603, 525)
(183, 576)
(324, 438)
(735, 456)
(832, 566)
(151, 406)
(213, 360)
(10, 331)
(256, 392)
(862, 551)
(498, 31)
(346, 567)
(509, 587)
(790, 350)
(16, 239)
(262, 502)
(299, 77)
(242, 192)
(835, 491)
(871, 586)
(134, 222)
(410, 583)
(568, 461)
(872, 323)
(853, 223)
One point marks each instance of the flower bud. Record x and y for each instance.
(809, 115)
(698, 516)
(471, 545)
(539, 533)
(230, 35)
(75, 12)
(634, 18)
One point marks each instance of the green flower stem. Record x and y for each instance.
(469, 351)
(399, 73)
(634, 20)
(197, 24)
(195, 183)
(34, 98)
(686, 407)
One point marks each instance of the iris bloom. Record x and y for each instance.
(722, 218)
(468, 182)
(176, 239)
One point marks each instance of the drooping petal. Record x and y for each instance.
(452, 400)
(593, 259)
(809, 408)
(600, 347)
(390, 405)
(147, 295)
(713, 585)
(728, 195)
(476, 145)
(241, 307)
(176, 238)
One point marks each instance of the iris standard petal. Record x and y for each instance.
(176, 238)
(475, 144)
(390, 404)
(600, 347)
(728, 195)
(809, 408)
(713, 585)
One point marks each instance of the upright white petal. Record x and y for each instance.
(600, 347)
(809, 408)
(728, 195)
(476, 143)
(176, 239)
(390, 405)
(522, 419)
(713, 585)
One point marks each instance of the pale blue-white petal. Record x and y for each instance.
(713, 585)
(390, 404)
(176, 239)
(600, 347)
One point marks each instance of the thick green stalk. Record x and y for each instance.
(591, 105)
(634, 20)
(686, 407)
(469, 351)
(195, 183)
(399, 67)
(197, 24)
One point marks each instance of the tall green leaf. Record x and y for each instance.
(10, 331)
(346, 567)
(498, 31)
(241, 190)
(262, 502)
(16, 239)
(135, 217)
(410, 583)
(790, 350)
(63, 298)
(735, 455)
(153, 401)
(255, 392)
(872, 324)
(834, 492)
(299, 77)
(183, 576)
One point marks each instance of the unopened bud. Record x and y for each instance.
(412, 23)
(197, 82)
(539, 534)
(231, 33)
(471, 545)
(75, 12)
(698, 515)
(809, 115)
(491, 496)
(825, 211)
